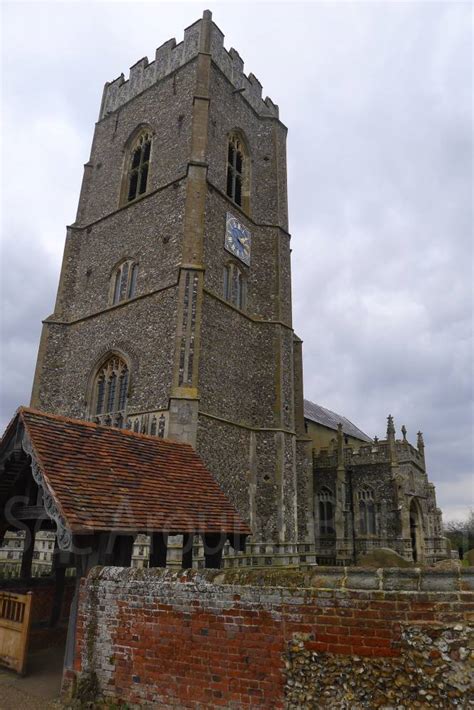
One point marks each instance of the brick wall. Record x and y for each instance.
(274, 639)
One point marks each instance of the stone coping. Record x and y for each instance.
(427, 579)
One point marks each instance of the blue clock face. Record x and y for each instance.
(238, 239)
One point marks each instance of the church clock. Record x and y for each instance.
(238, 239)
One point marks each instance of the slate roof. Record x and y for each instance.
(113, 479)
(321, 415)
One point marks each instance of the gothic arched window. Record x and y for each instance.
(238, 171)
(326, 511)
(367, 520)
(110, 392)
(138, 165)
(235, 285)
(124, 281)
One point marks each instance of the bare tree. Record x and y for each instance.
(461, 533)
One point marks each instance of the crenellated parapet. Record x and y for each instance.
(171, 56)
(405, 452)
(379, 451)
(368, 454)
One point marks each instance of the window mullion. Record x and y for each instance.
(116, 393)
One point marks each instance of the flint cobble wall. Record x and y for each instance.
(334, 638)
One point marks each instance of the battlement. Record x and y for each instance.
(170, 56)
(408, 452)
(377, 452)
(385, 451)
(369, 453)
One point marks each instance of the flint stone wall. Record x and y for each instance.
(326, 638)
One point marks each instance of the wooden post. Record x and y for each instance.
(187, 559)
(28, 549)
(159, 549)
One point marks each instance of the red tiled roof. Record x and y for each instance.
(113, 479)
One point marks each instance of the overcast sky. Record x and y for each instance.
(377, 98)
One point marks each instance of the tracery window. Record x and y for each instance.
(367, 520)
(237, 171)
(110, 392)
(124, 281)
(326, 511)
(138, 166)
(235, 285)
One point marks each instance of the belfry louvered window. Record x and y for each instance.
(235, 160)
(111, 392)
(237, 171)
(139, 166)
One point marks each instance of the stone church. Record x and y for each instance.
(173, 316)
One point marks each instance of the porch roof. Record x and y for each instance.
(101, 478)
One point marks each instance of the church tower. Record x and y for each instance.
(173, 314)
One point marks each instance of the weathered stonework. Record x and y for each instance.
(406, 517)
(329, 638)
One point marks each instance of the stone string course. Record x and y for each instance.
(325, 638)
